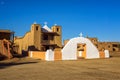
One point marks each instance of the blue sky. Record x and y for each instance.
(94, 18)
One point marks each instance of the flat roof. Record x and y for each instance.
(5, 31)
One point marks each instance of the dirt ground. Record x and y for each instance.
(33, 69)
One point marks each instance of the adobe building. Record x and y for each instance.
(111, 46)
(6, 41)
(39, 39)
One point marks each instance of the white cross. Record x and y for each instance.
(35, 22)
(81, 34)
(55, 24)
(45, 23)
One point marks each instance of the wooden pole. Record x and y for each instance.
(8, 50)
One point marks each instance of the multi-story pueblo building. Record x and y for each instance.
(39, 39)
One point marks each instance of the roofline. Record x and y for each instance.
(6, 31)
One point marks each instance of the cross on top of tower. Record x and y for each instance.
(55, 24)
(45, 23)
(35, 22)
(81, 34)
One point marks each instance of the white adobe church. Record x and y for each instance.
(69, 52)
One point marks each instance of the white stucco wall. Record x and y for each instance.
(106, 54)
(69, 52)
(49, 56)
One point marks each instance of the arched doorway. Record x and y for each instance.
(81, 50)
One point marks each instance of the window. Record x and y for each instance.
(96, 45)
(57, 29)
(36, 28)
(45, 37)
(115, 45)
(108, 46)
(113, 49)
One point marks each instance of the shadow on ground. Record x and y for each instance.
(9, 64)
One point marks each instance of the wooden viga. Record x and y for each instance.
(6, 49)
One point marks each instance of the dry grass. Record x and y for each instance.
(30, 69)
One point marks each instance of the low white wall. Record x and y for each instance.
(106, 53)
(49, 56)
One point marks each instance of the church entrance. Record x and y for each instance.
(81, 51)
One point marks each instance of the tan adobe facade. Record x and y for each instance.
(111, 46)
(39, 39)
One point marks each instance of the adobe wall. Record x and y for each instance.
(37, 55)
(23, 42)
(57, 54)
